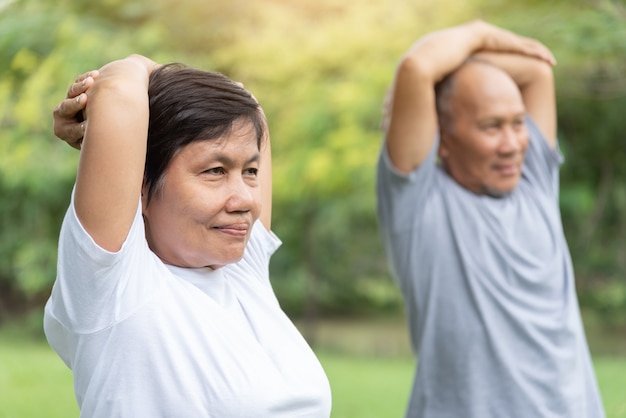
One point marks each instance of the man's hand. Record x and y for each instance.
(496, 39)
(69, 124)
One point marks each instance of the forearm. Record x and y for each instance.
(524, 70)
(117, 115)
(439, 53)
(112, 159)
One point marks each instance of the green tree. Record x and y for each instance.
(43, 45)
(321, 70)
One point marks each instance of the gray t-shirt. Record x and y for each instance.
(489, 293)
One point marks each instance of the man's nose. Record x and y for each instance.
(511, 140)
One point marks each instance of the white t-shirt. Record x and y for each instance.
(145, 339)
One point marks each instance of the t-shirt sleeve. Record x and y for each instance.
(400, 200)
(95, 288)
(400, 195)
(542, 162)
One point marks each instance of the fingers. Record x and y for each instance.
(531, 47)
(92, 74)
(69, 108)
(82, 83)
(78, 132)
(68, 114)
(537, 49)
(66, 125)
(72, 133)
(498, 39)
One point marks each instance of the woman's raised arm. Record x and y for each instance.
(113, 152)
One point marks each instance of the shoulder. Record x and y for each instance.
(262, 241)
(256, 258)
(541, 154)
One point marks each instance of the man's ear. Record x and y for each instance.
(444, 140)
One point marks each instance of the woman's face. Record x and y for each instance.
(203, 214)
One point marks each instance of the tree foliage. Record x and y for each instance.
(321, 70)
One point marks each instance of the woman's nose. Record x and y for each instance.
(241, 196)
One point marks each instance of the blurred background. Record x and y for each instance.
(321, 70)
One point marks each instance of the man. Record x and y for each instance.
(468, 207)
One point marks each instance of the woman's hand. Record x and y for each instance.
(69, 123)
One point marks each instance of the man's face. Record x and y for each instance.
(484, 148)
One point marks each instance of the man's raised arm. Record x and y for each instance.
(411, 117)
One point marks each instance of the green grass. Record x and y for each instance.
(35, 383)
(611, 374)
(368, 387)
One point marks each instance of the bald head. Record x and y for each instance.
(469, 87)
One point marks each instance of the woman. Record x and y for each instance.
(162, 305)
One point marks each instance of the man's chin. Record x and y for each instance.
(497, 192)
